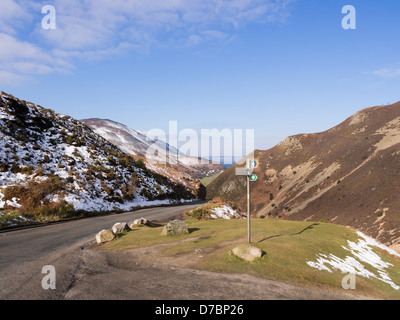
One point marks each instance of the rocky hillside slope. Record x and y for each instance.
(137, 144)
(347, 175)
(51, 163)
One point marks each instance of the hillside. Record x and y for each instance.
(347, 175)
(136, 143)
(52, 164)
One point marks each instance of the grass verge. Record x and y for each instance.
(288, 246)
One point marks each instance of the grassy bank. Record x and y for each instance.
(288, 246)
(207, 180)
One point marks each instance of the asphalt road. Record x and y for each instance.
(23, 253)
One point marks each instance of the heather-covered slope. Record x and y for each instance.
(51, 164)
(348, 175)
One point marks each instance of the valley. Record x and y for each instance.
(323, 205)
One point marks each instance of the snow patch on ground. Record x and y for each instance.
(225, 212)
(87, 203)
(13, 202)
(362, 255)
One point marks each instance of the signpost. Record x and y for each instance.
(248, 209)
(248, 172)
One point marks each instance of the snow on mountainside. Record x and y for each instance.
(130, 141)
(52, 164)
(136, 143)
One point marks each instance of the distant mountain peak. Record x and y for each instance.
(137, 143)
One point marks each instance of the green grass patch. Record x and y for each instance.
(288, 246)
(11, 218)
(207, 180)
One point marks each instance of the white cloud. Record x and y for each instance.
(12, 15)
(8, 78)
(12, 49)
(20, 60)
(95, 29)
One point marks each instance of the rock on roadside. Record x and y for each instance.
(247, 252)
(105, 236)
(175, 227)
(119, 227)
(138, 223)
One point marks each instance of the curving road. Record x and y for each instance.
(23, 253)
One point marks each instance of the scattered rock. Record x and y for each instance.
(119, 227)
(105, 236)
(247, 252)
(138, 223)
(175, 227)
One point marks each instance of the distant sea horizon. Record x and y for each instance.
(229, 163)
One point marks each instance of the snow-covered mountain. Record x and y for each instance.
(137, 143)
(51, 163)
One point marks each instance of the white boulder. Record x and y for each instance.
(247, 252)
(119, 227)
(105, 236)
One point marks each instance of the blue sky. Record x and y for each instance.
(280, 67)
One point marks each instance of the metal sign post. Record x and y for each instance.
(248, 210)
(247, 171)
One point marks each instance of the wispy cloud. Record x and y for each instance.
(388, 73)
(97, 23)
(21, 60)
(95, 29)
(13, 15)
